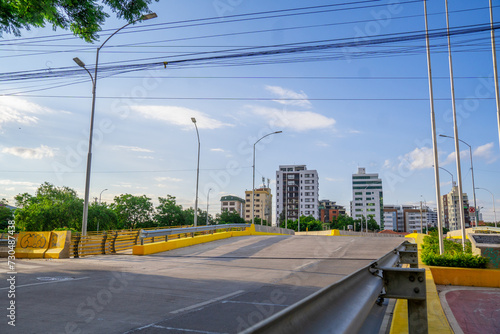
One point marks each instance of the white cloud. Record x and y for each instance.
(217, 150)
(17, 183)
(296, 99)
(294, 120)
(132, 148)
(419, 158)
(452, 157)
(322, 144)
(16, 110)
(179, 116)
(30, 153)
(333, 180)
(169, 179)
(486, 152)
(387, 164)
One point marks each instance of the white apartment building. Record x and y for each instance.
(408, 218)
(367, 197)
(451, 210)
(232, 203)
(297, 192)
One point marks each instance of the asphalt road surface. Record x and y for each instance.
(219, 287)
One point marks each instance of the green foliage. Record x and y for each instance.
(169, 213)
(306, 223)
(52, 207)
(133, 211)
(83, 17)
(6, 214)
(454, 255)
(101, 218)
(229, 217)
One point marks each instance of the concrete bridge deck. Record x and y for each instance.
(219, 287)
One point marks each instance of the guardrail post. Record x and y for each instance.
(103, 243)
(137, 237)
(76, 245)
(408, 283)
(113, 241)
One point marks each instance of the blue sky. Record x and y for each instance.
(339, 109)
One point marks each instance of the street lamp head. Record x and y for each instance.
(79, 62)
(445, 136)
(193, 119)
(148, 16)
(278, 131)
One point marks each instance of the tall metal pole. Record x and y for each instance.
(455, 132)
(434, 141)
(495, 71)
(286, 200)
(494, 210)
(253, 176)
(197, 174)
(208, 201)
(91, 132)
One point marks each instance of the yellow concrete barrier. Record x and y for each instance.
(164, 246)
(58, 245)
(466, 277)
(32, 244)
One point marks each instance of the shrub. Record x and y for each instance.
(454, 255)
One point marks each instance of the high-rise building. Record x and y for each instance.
(297, 192)
(329, 210)
(263, 205)
(451, 214)
(232, 203)
(367, 197)
(408, 218)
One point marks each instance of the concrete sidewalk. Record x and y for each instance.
(471, 310)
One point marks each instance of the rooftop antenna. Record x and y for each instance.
(268, 182)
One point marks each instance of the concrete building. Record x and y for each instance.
(329, 210)
(232, 203)
(263, 205)
(408, 218)
(298, 188)
(450, 214)
(367, 197)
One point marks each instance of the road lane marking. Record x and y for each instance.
(207, 302)
(252, 303)
(49, 282)
(184, 329)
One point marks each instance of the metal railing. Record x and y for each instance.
(343, 306)
(143, 234)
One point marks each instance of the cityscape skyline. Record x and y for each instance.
(339, 109)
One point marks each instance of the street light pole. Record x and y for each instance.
(434, 141)
(494, 211)
(472, 173)
(253, 178)
(495, 70)
(100, 196)
(447, 171)
(197, 174)
(208, 201)
(94, 85)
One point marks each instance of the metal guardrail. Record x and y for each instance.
(343, 306)
(143, 234)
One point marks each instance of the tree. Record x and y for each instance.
(51, 207)
(83, 17)
(133, 211)
(229, 217)
(169, 213)
(101, 218)
(6, 214)
(372, 224)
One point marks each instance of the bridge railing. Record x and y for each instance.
(344, 306)
(143, 234)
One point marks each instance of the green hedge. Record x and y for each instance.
(453, 256)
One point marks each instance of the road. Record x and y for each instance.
(219, 287)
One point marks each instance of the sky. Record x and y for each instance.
(340, 108)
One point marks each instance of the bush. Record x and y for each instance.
(454, 255)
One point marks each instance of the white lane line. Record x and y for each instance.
(184, 329)
(252, 303)
(32, 284)
(207, 302)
